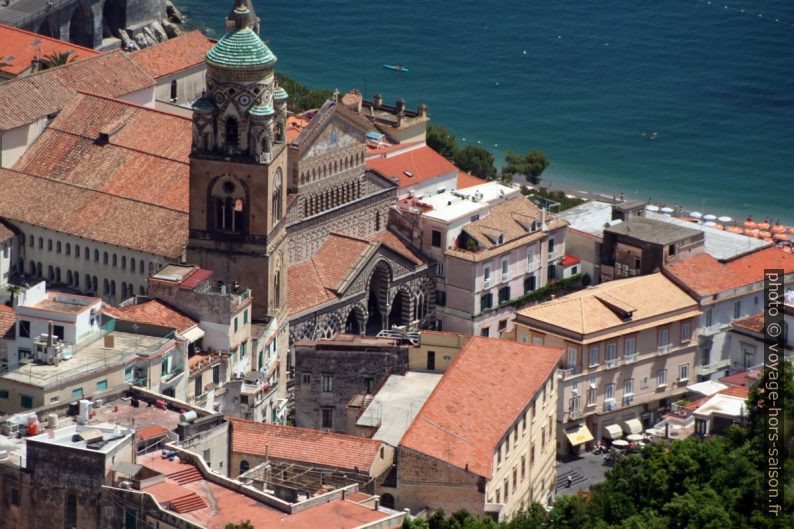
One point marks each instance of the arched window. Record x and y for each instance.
(105, 287)
(58, 274)
(277, 196)
(96, 255)
(132, 264)
(232, 134)
(50, 273)
(113, 288)
(229, 202)
(77, 251)
(88, 282)
(94, 284)
(141, 267)
(105, 258)
(69, 277)
(123, 262)
(244, 466)
(38, 269)
(377, 221)
(49, 245)
(32, 268)
(76, 276)
(41, 243)
(173, 90)
(115, 260)
(123, 290)
(277, 289)
(68, 249)
(58, 246)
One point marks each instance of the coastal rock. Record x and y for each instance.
(158, 32)
(173, 14)
(126, 42)
(171, 29)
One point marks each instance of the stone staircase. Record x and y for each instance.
(562, 480)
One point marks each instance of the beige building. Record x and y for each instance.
(435, 351)
(629, 353)
(449, 460)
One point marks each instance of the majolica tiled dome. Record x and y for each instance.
(279, 94)
(241, 47)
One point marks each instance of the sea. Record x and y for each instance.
(684, 102)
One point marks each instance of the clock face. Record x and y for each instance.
(244, 99)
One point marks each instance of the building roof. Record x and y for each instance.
(24, 100)
(295, 125)
(590, 217)
(94, 215)
(396, 243)
(743, 378)
(118, 148)
(468, 180)
(653, 231)
(6, 233)
(569, 260)
(174, 55)
(753, 323)
(8, 322)
(605, 306)
(314, 447)
(321, 117)
(724, 405)
(413, 167)
(721, 244)
(703, 275)
(482, 394)
(21, 48)
(152, 312)
(240, 48)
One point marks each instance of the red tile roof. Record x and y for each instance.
(743, 378)
(754, 323)
(569, 260)
(468, 180)
(173, 55)
(295, 125)
(5, 232)
(736, 391)
(146, 158)
(482, 394)
(394, 242)
(339, 514)
(150, 432)
(92, 214)
(24, 100)
(422, 164)
(373, 152)
(8, 321)
(704, 275)
(21, 47)
(304, 445)
(153, 312)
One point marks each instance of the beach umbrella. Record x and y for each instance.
(696, 215)
(710, 224)
(725, 219)
(651, 207)
(709, 217)
(666, 209)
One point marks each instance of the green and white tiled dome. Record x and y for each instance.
(279, 94)
(261, 110)
(240, 47)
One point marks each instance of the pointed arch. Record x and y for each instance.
(81, 26)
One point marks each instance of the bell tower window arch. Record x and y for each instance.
(277, 185)
(232, 132)
(228, 206)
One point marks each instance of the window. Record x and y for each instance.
(198, 389)
(441, 298)
(552, 272)
(24, 329)
(504, 295)
(537, 340)
(115, 260)
(529, 284)
(671, 249)
(70, 511)
(328, 383)
(77, 251)
(551, 247)
(737, 308)
(683, 372)
(243, 350)
(542, 438)
(498, 497)
(686, 332)
(507, 488)
(485, 331)
(26, 401)
(328, 418)
(630, 347)
(13, 496)
(573, 353)
(575, 270)
(591, 396)
(709, 317)
(431, 360)
(612, 354)
(3, 393)
(507, 445)
(123, 262)
(498, 455)
(245, 317)
(664, 339)
(102, 385)
(206, 456)
(593, 355)
(505, 269)
(628, 390)
(68, 249)
(486, 301)
(523, 467)
(486, 275)
(609, 392)
(173, 90)
(49, 245)
(128, 374)
(235, 324)
(58, 331)
(531, 454)
(77, 393)
(245, 466)
(216, 375)
(661, 378)
(369, 383)
(307, 378)
(534, 409)
(435, 236)
(132, 264)
(105, 258)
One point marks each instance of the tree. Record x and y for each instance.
(242, 525)
(531, 166)
(301, 97)
(477, 161)
(57, 59)
(13, 290)
(442, 141)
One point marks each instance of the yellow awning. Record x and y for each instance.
(579, 435)
(613, 431)
(632, 426)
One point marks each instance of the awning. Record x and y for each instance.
(193, 334)
(632, 426)
(613, 431)
(579, 435)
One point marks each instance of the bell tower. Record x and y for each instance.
(238, 169)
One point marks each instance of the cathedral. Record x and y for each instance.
(303, 223)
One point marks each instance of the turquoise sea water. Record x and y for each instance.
(580, 80)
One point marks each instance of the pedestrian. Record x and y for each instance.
(570, 481)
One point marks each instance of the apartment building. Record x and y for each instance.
(448, 460)
(726, 290)
(629, 352)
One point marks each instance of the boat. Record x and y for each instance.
(398, 67)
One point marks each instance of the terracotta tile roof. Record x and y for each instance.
(153, 312)
(754, 323)
(394, 242)
(704, 275)
(27, 99)
(295, 125)
(736, 391)
(5, 232)
(598, 309)
(480, 397)
(304, 445)
(21, 47)
(422, 164)
(743, 378)
(150, 432)
(8, 321)
(173, 55)
(92, 214)
(374, 152)
(146, 158)
(468, 180)
(339, 514)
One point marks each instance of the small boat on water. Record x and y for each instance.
(397, 67)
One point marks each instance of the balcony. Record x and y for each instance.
(574, 415)
(533, 266)
(628, 399)
(708, 369)
(487, 283)
(614, 362)
(711, 330)
(610, 405)
(664, 349)
(630, 359)
(570, 371)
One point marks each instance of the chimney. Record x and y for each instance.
(377, 101)
(400, 106)
(50, 331)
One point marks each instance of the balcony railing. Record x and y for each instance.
(614, 362)
(570, 371)
(610, 405)
(713, 329)
(630, 359)
(628, 399)
(712, 367)
(487, 283)
(663, 349)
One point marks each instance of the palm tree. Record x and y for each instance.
(57, 59)
(13, 290)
